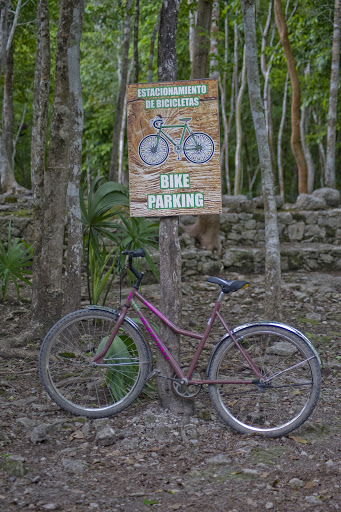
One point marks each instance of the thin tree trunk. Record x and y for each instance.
(170, 252)
(307, 153)
(7, 180)
(333, 94)
(56, 179)
(214, 72)
(206, 228)
(7, 107)
(266, 68)
(152, 48)
(224, 159)
(279, 140)
(6, 31)
(122, 134)
(296, 144)
(38, 146)
(202, 40)
(192, 23)
(238, 159)
(113, 170)
(272, 247)
(136, 41)
(322, 153)
(72, 279)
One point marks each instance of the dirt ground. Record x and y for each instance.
(50, 460)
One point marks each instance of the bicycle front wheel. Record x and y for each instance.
(153, 150)
(84, 389)
(286, 394)
(198, 148)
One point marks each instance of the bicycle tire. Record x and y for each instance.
(153, 151)
(88, 390)
(277, 407)
(205, 151)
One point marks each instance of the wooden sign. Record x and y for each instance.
(173, 148)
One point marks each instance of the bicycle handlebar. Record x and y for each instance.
(137, 253)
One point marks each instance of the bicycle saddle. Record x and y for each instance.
(228, 286)
(184, 119)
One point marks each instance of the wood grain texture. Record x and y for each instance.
(145, 179)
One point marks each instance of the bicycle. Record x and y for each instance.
(198, 147)
(263, 378)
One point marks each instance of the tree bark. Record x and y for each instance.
(113, 170)
(170, 252)
(333, 94)
(72, 280)
(56, 178)
(206, 229)
(136, 41)
(272, 247)
(279, 139)
(152, 47)
(38, 147)
(296, 144)
(307, 153)
(8, 182)
(238, 159)
(201, 44)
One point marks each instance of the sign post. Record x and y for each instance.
(173, 148)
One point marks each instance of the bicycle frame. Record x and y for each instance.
(184, 128)
(184, 378)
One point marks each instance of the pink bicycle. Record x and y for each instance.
(263, 378)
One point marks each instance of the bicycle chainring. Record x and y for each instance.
(187, 390)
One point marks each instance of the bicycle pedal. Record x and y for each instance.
(153, 373)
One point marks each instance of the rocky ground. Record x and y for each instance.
(146, 458)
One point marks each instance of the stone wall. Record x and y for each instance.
(310, 234)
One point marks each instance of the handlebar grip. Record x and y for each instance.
(137, 253)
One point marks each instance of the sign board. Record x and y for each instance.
(173, 148)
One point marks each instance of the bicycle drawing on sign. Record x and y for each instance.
(198, 147)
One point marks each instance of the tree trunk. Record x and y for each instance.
(56, 178)
(7, 107)
(72, 280)
(207, 227)
(192, 23)
(296, 144)
(307, 153)
(136, 41)
(202, 40)
(113, 170)
(7, 180)
(333, 94)
(152, 47)
(279, 139)
(238, 159)
(266, 68)
(214, 72)
(38, 146)
(170, 252)
(272, 247)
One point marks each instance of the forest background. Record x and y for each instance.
(310, 27)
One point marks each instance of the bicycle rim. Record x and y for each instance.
(153, 150)
(291, 386)
(201, 150)
(77, 385)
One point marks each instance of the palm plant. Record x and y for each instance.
(105, 217)
(14, 263)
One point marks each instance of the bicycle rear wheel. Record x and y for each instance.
(78, 386)
(153, 150)
(291, 381)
